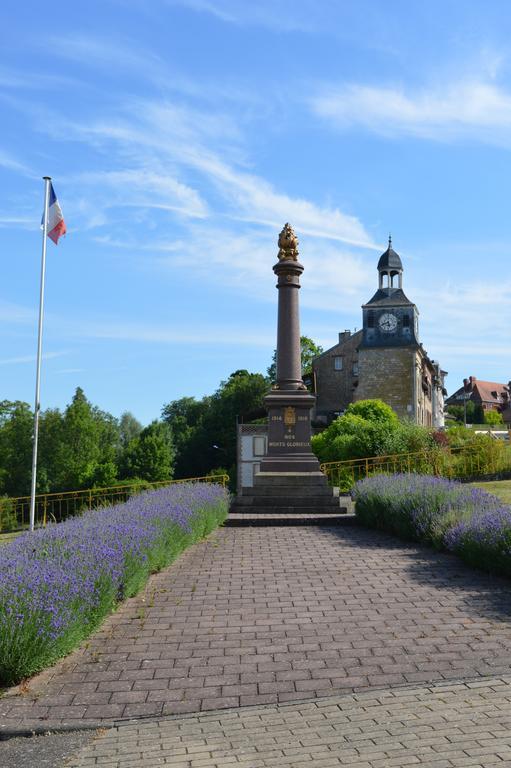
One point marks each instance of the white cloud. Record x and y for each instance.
(103, 53)
(205, 6)
(166, 137)
(281, 15)
(15, 313)
(16, 221)
(467, 108)
(243, 260)
(146, 189)
(159, 334)
(31, 358)
(7, 160)
(71, 370)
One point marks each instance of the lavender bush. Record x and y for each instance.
(468, 521)
(58, 583)
(420, 507)
(484, 540)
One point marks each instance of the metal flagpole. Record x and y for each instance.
(37, 407)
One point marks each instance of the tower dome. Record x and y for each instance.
(390, 264)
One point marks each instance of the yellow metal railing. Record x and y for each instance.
(455, 463)
(56, 507)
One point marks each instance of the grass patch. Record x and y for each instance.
(500, 488)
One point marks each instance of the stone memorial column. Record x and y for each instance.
(289, 403)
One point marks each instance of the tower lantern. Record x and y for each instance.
(390, 267)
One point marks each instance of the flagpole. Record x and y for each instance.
(37, 406)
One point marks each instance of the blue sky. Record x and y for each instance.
(182, 134)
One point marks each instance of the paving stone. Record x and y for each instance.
(301, 734)
(292, 612)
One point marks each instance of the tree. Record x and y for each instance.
(474, 413)
(150, 456)
(240, 396)
(16, 429)
(50, 439)
(493, 417)
(86, 453)
(185, 417)
(309, 350)
(129, 428)
(198, 425)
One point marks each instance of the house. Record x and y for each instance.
(489, 395)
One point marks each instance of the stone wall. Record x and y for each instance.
(402, 378)
(388, 375)
(335, 388)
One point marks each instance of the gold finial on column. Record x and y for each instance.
(288, 244)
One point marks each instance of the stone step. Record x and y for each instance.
(291, 490)
(287, 510)
(291, 478)
(247, 521)
(287, 501)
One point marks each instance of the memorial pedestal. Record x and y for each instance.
(290, 484)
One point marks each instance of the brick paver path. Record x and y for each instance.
(441, 726)
(267, 615)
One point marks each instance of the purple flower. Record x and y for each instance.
(58, 582)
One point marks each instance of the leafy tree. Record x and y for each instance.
(185, 418)
(150, 456)
(198, 425)
(474, 413)
(241, 395)
(78, 449)
(309, 350)
(493, 417)
(50, 438)
(16, 429)
(86, 453)
(129, 428)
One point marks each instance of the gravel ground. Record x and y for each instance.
(51, 751)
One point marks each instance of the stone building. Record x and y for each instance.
(335, 376)
(383, 360)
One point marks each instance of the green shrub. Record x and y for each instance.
(493, 417)
(373, 410)
(370, 428)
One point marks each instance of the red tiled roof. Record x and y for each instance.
(490, 391)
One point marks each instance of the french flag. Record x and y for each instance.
(56, 225)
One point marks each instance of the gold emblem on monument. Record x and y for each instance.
(289, 416)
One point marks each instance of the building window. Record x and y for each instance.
(406, 321)
(370, 319)
(259, 446)
(355, 369)
(337, 363)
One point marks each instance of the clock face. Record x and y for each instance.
(387, 322)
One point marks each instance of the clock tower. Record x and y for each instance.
(392, 363)
(390, 319)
